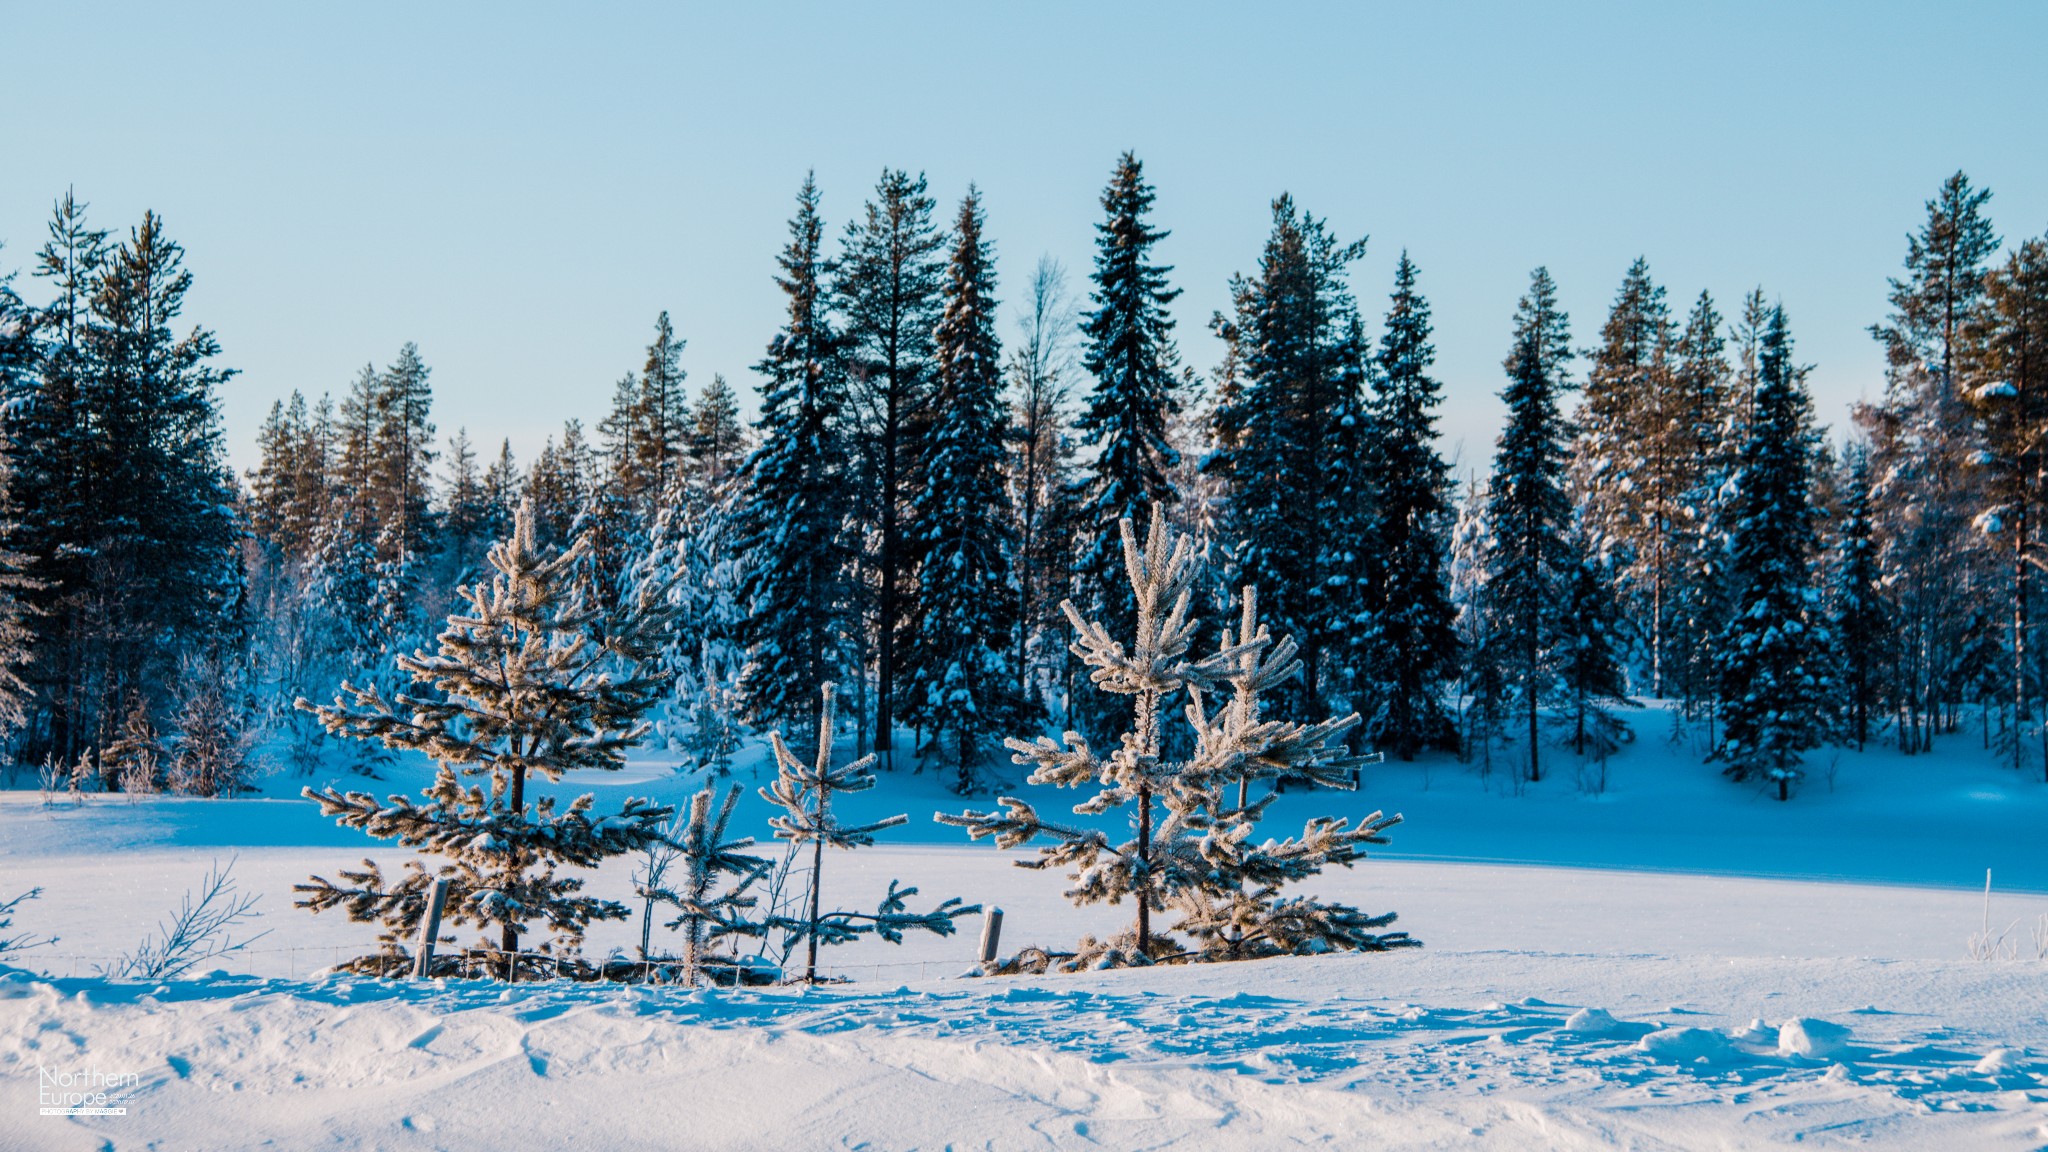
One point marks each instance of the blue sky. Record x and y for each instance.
(521, 189)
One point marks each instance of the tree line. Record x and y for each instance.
(919, 496)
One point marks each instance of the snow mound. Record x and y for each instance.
(1814, 1039)
(1592, 1022)
(1686, 1045)
(2000, 1062)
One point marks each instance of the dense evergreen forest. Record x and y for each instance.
(926, 484)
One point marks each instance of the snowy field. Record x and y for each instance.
(1603, 969)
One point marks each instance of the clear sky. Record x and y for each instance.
(521, 189)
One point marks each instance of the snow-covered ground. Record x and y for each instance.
(1603, 969)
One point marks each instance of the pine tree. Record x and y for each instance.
(889, 284)
(401, 472)
(502, 485)
(520, 687)
(717, 441)
(1300, 368)
(794, 506)
(17, 342)
(288, 491)
(2008, 365)
(1127, 345)
(805, 792)
(560, 483)
(959, 685)
(119, 457)
(1921, 439)
(465, 503)
(1414, 640)
(649, 428)
(1191, 850)
(1528, 513)
(1625, 468)
(1773, 683)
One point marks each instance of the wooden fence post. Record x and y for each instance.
(430, 931)
(991, 934)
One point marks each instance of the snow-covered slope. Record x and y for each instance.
(1604, 969)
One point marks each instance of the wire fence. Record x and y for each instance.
(310, 959)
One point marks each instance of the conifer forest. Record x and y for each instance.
(1029, 577)
(935, 469)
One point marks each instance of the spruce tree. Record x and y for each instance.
(1696, 608)
(1299, 366)
(465, 505)
(888, 286)
(1773, 680)
(1414, 639)
(960, 687)
(1861, 618)
(1127, 345)
(1528, 513)
(288, 491)
(51, 450)
(528, 681)
(794, 501)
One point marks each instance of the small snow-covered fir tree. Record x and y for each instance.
(521, 686)
(805, 792)
(1192, 848)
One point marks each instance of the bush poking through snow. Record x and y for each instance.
(1193, 851)
(200, 931)
(20, 941)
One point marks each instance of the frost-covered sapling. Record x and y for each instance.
(1192, 850)
(805, 793)
(705, 877)
(530, 680)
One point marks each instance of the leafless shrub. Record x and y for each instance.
(200, 931)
